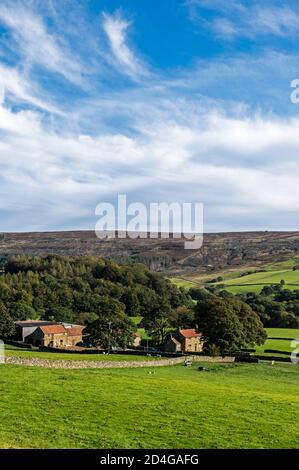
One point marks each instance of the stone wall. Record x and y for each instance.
(78, 364)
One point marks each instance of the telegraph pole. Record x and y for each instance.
(109, 332)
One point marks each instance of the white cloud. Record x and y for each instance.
(237, 166)
(238, 18)
(280, 21)
(168, 137)
(12, 83)
(36, 44)
(116, 29)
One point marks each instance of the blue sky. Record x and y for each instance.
(173, 100)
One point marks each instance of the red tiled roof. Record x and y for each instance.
(74, 330)
(52, 329)
(189, 333)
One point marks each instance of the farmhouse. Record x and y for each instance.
(43, 333)
(190, 340)
(184, 341)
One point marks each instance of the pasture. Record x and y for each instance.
(281, 345)
(283, 333)
(180, 282)
(36, 354)
(276, 339)
(273, 274)
(238, 281)
(256, 281)
(226, 406)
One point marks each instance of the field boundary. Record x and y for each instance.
(68, 364)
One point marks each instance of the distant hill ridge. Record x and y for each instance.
(219, 250)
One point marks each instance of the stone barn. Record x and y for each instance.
(186, 341)
(190, 340)
(74, 334)
(56, 336)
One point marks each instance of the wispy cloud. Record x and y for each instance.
(280, 21)
(206, 132)
(36, 44)
(240, 19)
(181, 153)
(16, 86)
(115, 26)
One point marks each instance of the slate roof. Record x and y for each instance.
(32, 323)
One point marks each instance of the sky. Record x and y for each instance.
(165, 101)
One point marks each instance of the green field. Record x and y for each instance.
(236, 282)
(273, 275)
(279, 344)
(227, 406)
(255, 282)
(283, 333)
(179, 282)
(31, 354)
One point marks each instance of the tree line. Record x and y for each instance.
(276, 306)
(90, 291)
(106, 298)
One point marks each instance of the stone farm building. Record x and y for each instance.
(137, 340)
(51, 334)
(184, 341)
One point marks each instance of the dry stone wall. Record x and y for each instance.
(78, 364)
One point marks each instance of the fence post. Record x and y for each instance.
(2, 352)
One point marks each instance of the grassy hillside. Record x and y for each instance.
(179, 282)
(227, 406)
(255, 282)
(247, 280)
(273, 274)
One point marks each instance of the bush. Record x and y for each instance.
(213, 350)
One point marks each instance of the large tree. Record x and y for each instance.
(158, 323)
(228, 324)
(111, 325)
(7, 326)
(182, 317)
